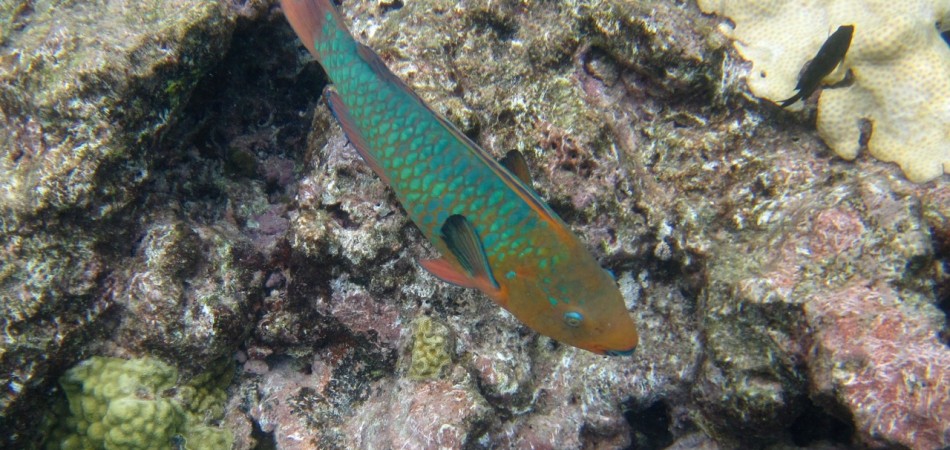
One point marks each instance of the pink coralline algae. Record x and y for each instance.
(280, 400)
(857, 319)
(834, 231)
(361, 313)
(886, 366)
(430, 414)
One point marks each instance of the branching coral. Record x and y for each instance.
(899, 63)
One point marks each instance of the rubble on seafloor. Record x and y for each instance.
(173, 186)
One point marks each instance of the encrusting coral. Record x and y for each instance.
(123, 404)
(430, 348)
(899, 63)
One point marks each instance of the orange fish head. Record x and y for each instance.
(584, 309)
(606, 327)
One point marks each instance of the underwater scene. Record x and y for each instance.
(475, 224)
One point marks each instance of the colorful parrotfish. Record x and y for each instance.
(495, 234)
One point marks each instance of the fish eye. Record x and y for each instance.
(573, 319)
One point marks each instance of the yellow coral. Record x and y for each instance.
(121, 404)
(430, 348)
(900, 64)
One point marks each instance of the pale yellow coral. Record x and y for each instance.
(122, 404)
(900, 65)
(430, 348)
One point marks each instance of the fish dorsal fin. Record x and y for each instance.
(376, 63)
(462, 240)
(515, 163)
(342, 114)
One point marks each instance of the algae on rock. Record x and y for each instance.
(86, 90)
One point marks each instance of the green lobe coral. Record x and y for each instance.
(124, 404)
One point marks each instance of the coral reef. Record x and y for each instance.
(897, 67)
(246, 225)
(185, 292)
(796, 300)
(140, 211)
(427, 414)
(115, 403)
(307, 405)
(86, 91)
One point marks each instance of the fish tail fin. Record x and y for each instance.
(310, 20)
(791, 100)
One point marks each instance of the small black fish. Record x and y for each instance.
(829, 55)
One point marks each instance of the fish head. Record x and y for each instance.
(582, 307)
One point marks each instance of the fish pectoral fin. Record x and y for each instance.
(515, 163)
(442, 269)
(463, 241)
(342, 114)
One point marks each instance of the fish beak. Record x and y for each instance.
(627, 352)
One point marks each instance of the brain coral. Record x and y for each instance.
(430, 348)
(899, 62)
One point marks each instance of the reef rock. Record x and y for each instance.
(776, 287)
(86, 89)
(875, 356)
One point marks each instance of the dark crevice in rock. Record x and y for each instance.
(264, 440)
(354, 376)
(228, 131)
(650, 428)
(942, 288)
(504, 26)
(391, 5)
(342, 217)
(815, 426)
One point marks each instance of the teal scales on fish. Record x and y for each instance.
(495, 234)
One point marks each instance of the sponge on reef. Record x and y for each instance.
(899, 62)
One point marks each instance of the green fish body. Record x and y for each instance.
(495, 234)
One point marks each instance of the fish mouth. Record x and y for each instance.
(627, 352)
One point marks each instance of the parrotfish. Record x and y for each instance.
(830, 54)
(493, 231)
